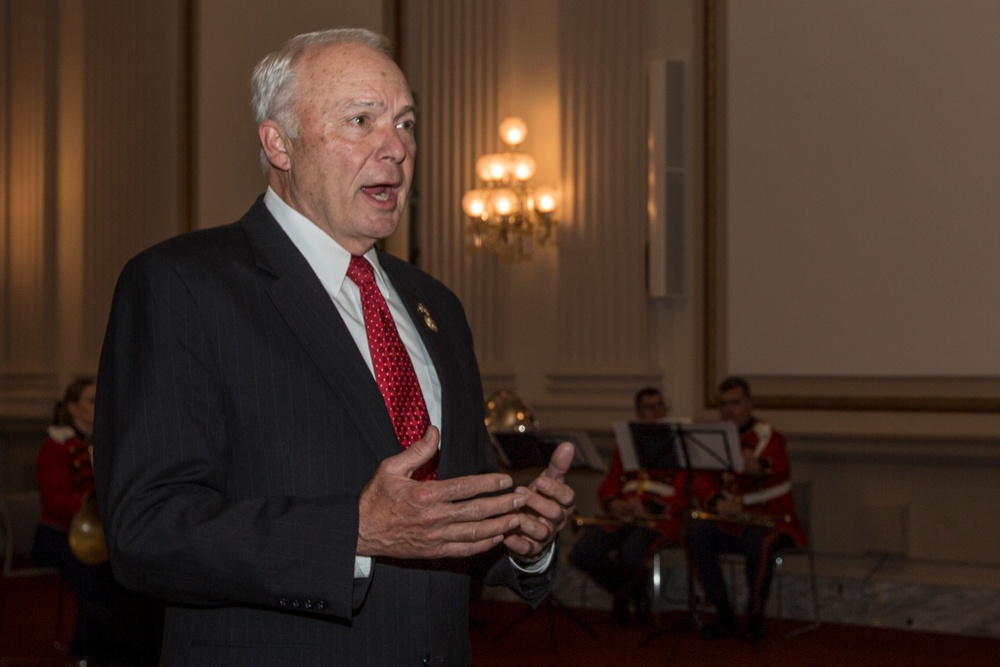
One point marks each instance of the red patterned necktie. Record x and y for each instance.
(393, 368)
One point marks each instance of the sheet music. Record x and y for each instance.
(714, 446)
(586, 455)
(698, 445)
(628, 450)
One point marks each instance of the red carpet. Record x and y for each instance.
(29, 624)
(530, 644)
(32, 631)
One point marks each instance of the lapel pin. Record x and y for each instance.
(428, 320)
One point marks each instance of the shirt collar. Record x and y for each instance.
(328, 259)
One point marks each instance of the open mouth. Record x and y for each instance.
(380, 193)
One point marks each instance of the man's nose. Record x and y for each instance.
(392, 146)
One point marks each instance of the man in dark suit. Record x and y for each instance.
(251, 470)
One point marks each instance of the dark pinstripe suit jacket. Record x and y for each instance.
(237, 423)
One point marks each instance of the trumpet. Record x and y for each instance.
(747, 518)
(638, 520)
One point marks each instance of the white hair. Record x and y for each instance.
(272, 84)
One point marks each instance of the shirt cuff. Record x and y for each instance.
(362, 567)
(536, 565)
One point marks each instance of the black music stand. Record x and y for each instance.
(531, 450)
(687, 446)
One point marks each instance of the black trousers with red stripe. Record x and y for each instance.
(707, 540)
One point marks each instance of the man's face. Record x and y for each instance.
(735, 406)
(650, 408)
(351, 165)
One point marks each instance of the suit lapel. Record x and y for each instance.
(299, 297)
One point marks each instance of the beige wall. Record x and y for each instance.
(574, 331)
(907, 484)
(90, 173)
(861, 201)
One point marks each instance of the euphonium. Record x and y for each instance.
(86, 535)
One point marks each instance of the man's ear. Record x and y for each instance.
(275, 144)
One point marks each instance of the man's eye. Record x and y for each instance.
(408, 125)
(359, 120)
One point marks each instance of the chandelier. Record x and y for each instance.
(507, 216)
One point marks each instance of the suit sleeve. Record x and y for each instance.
(164, 458)
(494, 566)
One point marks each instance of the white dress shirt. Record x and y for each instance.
(329, 261)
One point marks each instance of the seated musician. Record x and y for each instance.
(640, 514)
(752, 513)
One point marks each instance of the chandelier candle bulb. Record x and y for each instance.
(545, 199)
(513, 131)
(474, 203)
(503, 202)
(521, 166)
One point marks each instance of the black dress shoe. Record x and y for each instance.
(723, 626)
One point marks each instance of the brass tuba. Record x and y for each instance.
(86, 535)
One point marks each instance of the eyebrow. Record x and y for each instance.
(371, 104)
(354, 105)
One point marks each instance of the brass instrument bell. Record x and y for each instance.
(86, 535)
(506, 411)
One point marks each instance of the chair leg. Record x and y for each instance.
(731, 583)
(655, 580)
(780, 585)
(815, 589)
(815, 600)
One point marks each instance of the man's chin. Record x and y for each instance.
(381, 229)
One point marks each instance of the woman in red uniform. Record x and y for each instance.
(112, 625)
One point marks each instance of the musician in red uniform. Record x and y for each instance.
(112, 625)
(616, 556)
(762, 490)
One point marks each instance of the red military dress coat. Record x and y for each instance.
(65, 476)
(767, 494)
(659, 490)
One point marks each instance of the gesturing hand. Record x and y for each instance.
(403, 518)
(550, 501)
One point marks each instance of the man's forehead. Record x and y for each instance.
(347, 60)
